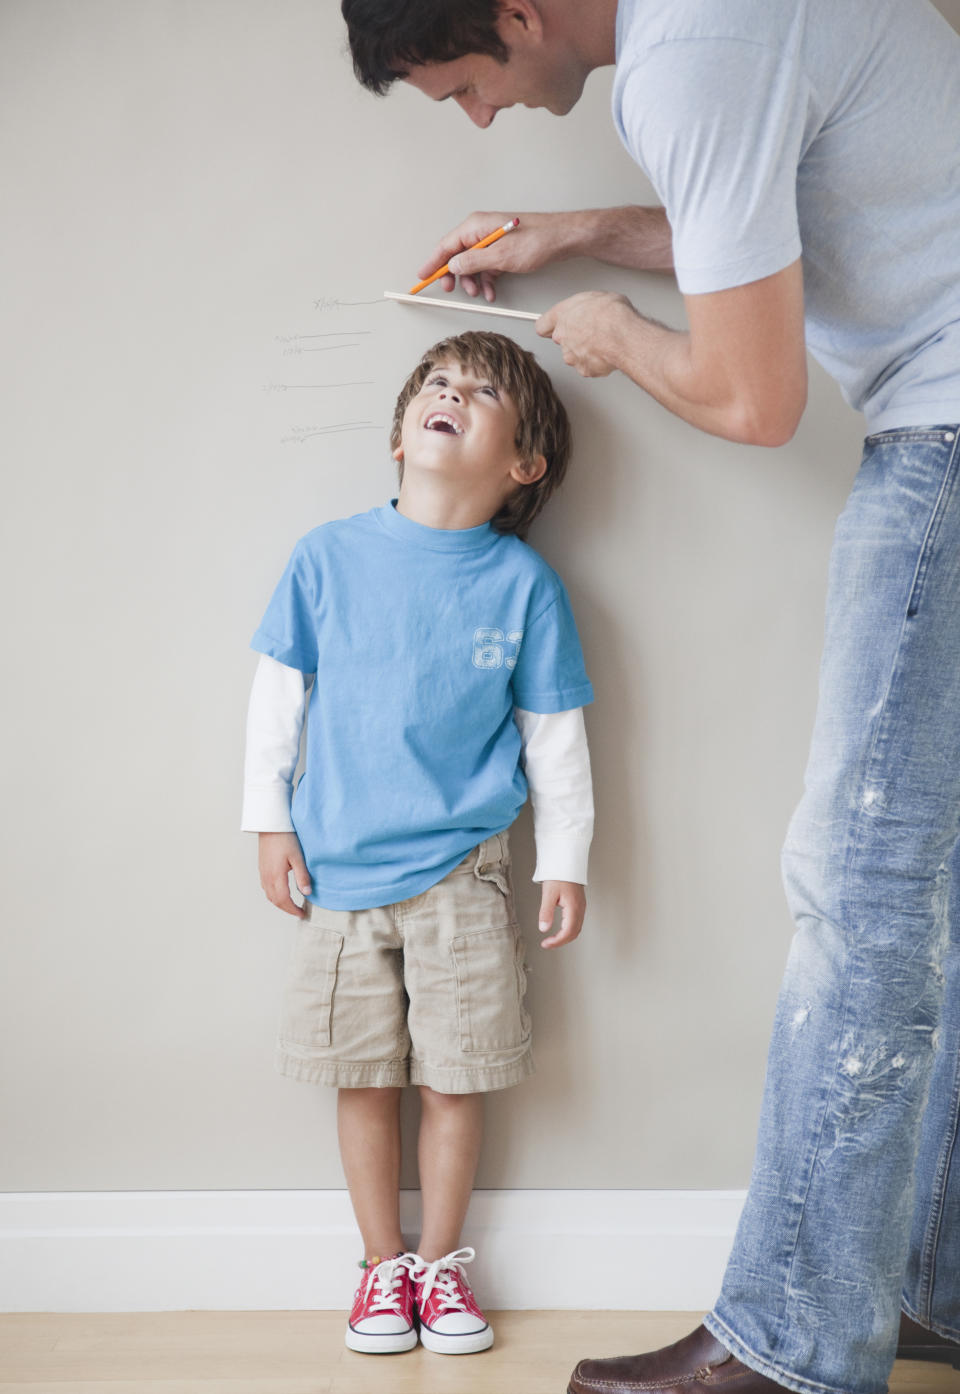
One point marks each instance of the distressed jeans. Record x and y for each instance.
(854, 1203)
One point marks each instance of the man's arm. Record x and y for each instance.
(739, 371)
(636, 237)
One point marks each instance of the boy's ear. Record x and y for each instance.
(398, 454)
(529, 471)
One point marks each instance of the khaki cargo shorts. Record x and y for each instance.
(427, 991)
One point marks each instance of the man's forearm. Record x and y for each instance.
(740, 371)
(639, 238)
(663, 362)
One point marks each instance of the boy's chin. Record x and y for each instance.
(433, 465)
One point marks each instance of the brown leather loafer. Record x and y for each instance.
(917, 1343)
(696, 1363)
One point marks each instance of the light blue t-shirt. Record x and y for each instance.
(423, 641)
(831, 128)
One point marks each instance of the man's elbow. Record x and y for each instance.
(770, 422)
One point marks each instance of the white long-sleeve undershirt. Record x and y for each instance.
(555, 757)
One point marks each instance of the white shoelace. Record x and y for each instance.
(443, 1274)
(385, 1280)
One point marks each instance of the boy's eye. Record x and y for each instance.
(492, 391)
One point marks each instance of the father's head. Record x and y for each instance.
(485, 54)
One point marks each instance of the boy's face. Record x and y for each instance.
(462, 428)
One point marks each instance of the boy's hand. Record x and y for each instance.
(279, 854)
(571, 898)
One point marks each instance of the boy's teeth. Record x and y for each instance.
(437, 419)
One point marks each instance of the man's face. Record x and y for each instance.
(534, 75)
(462, 427)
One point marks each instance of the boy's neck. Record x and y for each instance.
(433, 504)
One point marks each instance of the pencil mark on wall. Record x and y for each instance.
(326, 334)
(354, 414)
(300, 434)
(294, 350)
(313, 386)
(332, 302)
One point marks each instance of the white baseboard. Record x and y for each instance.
(132, 1251)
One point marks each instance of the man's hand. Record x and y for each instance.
(587, 329)
(632, 236)
(279, 854)
(739, 372)
(540, 239)
(571, 899)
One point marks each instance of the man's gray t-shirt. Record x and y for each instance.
(830, 129)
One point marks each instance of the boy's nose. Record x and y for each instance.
(450, 392)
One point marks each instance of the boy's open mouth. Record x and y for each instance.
(439, 421)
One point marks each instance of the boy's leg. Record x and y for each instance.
(451, 1129)
(368, 1123)
(382, 1318)
(469, 1030)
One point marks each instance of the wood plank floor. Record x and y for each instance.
(303, 1353)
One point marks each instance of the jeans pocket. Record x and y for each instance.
(491, 983)
(932, 536)
(308, 1002)
(910, 435)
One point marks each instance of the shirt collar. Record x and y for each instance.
(434, 539)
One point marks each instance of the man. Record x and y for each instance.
(808, 159)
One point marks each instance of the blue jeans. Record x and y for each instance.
(854, 1203)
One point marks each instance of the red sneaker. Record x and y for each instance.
(381, 1322)
(451, 1323)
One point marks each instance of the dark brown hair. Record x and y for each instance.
(543, 427)
(389, 37)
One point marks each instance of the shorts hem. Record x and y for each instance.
(472, 1079)
(344, 1074)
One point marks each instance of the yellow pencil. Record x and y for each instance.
(484, 242)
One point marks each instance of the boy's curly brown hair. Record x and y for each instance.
(543, 427)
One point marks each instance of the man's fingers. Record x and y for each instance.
(466, 234)
(547, 322)
(488, 285)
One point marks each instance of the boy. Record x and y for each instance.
(449, 678)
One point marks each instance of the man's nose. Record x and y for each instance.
(480, 113)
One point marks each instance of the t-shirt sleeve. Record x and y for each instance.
(288, 630)
(718, 126)
(549, 675)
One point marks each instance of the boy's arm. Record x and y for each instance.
(274, 723)
(557, 764)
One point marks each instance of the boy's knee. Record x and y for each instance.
(432, 1098)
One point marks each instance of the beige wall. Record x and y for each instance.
(183, 183)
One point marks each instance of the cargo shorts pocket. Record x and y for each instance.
(308, 1002)
(491, 983)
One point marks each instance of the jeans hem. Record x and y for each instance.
(950, 1335)
(746, 1356)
